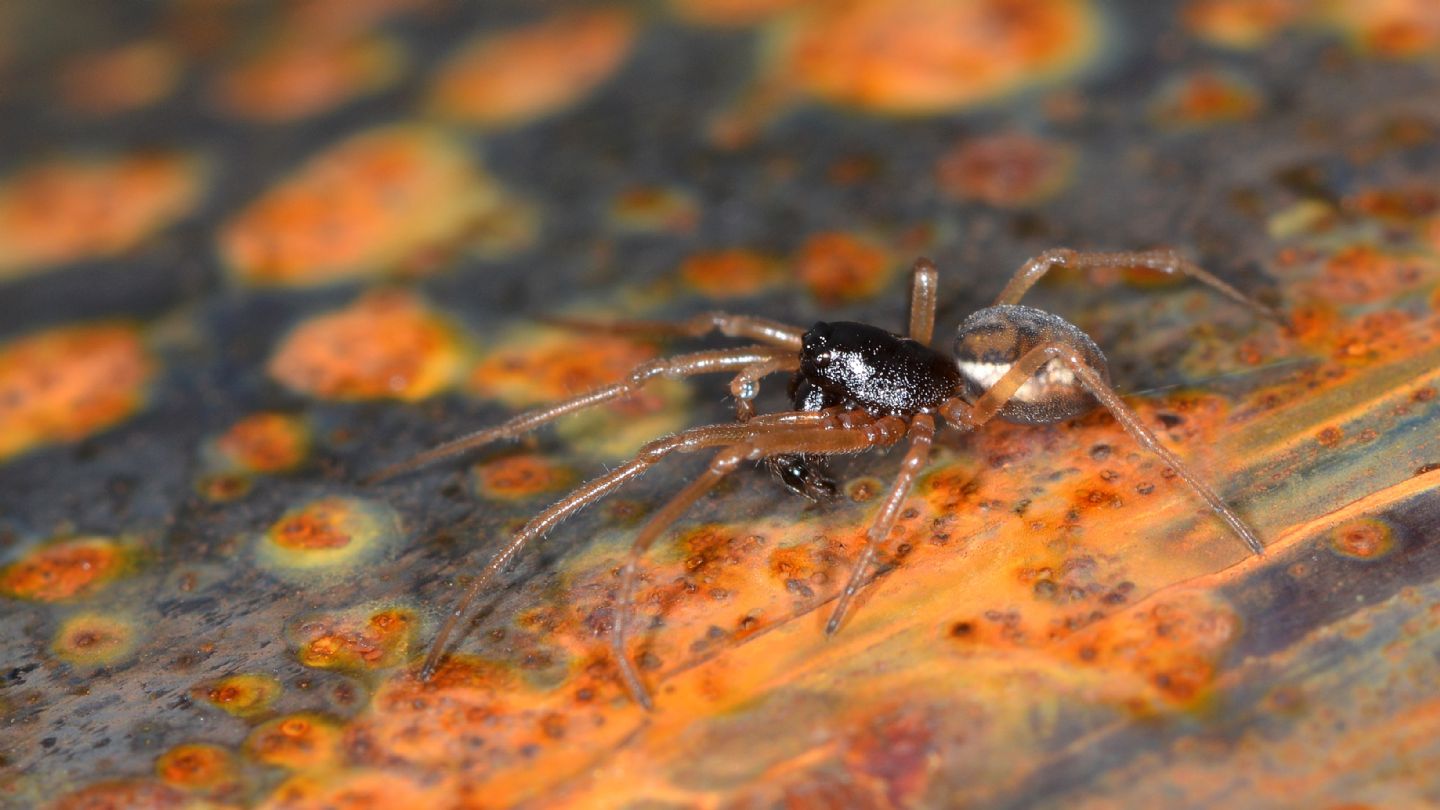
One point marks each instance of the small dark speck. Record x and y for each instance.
(48, 742)
(1100, 452)
(799, 588)
(1170, 420)
(1425, 468)
(961, 629)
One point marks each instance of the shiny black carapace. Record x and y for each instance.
(853, 387)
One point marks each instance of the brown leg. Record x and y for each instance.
(684, 365)
(1163, 260)
(861, 434)
(746, 385)
(969, 417)
(923, 289)
(922, 435)
(749, 327)
(593, 490)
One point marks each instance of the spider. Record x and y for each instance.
(854, 387)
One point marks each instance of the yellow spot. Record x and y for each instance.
(94, 640)
(333, 534)
(387, 344)
(1363, 538)
(363, 639)
(242, 695)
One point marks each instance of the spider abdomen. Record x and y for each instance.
(869, 368)
(991, 340)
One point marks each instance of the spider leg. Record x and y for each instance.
(687, 441)
(746, 385)
(683, 365)
(1164, 260)
(922, 435)
(971, 416)
(924, 287)
(848, 433)
(750, 327)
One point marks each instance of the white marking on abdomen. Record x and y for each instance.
(1054, 374)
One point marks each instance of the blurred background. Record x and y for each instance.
(252, 251)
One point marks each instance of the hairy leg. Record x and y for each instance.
(687, 441)
(922, 436)
(924, 286)
(749, 327)
(1164, 260)
(859, 433)
(745, 387)
(969, 417)
(683, 365)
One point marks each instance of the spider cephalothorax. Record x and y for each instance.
(854, 387)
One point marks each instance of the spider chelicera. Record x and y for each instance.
(854, 387)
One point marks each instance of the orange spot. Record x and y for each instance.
(120, 79)
(364, 790)
(386, 344)
(224, 487)
(926, 56)
(197, 766)
(70, 209)
(63, 570)
(521, 476)
(331, 535)
(319, 525)
(1363, 538)
(122, 793)
(517, 76)
(1205, 98)
(1009, 170)
(1362, 273)
(730, 273)
(733, 12)
(241, 695)
(534, 367)
(1239, 23)
(94, 640)
(362, 208)
(305, 741)
(296, 77)
(68, 383)
(1404, 205)
(265, 443)
(1388, 28)
(356, 641)
(838, 267)
(653, 208)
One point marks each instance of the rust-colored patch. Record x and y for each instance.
(1205, 98)
(377, 203)
(926, 56)
(95, 640)
(305, 741)
(1240, 23)
(362, 790)
(386, 344)
(120, 79)
(1010, 170)
(297, 77)
(265, 443)
(533, 366)
(655, 209)
(734, 273)
(119, 794)
(1363, 538)
(517, 76)
(521, 476)
(839, 267)
(1389, 28)
(197, 766)
(356, 640)
(243, 695)
(63, 570)
(75, 208)
(67, 383)
(332, 534)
